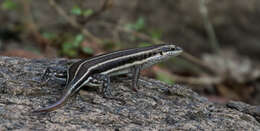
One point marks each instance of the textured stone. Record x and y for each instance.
(155, 106)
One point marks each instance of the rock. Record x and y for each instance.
(246, 108)
(155, 106)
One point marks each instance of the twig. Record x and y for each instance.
(185, 55)
(106, 5)
(199, 63)
(210, 30)
(32, 27)
(209, 27)
(140, 35)
(74, 23)
(202, 80)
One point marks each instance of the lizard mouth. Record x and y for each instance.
(178, 48)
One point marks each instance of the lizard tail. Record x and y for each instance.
(56, 105)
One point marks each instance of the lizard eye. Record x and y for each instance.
(173, 48)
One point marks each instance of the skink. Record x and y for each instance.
(96, 71)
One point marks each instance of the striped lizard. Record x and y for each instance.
(96, 71)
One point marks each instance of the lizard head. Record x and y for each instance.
(170, 50)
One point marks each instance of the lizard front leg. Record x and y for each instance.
(58, 74)
(136, 74)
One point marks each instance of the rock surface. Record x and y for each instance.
(155, 106)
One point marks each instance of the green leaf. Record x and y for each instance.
(88, 12)
(8, 5)
(76, 10)
(164, 77)
(129, 26)
(72, 53)
(49, 35)
(71, 46)
(140, 24)
(137, 26)
(87, 50)
(156, 34)
(78, 40)
(69, 49)
(67, 46)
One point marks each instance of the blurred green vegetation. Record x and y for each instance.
(9, 5)
(139, 25)
(164, 77)
(73, 45)
(76, 10)
(81, 29)
(70, 43)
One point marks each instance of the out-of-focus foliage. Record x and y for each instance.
(8, 5)
(87, 50)
(137, 26)
(63, 26)
(164, 77)
(49, 35)
(76, 10)
(155, 34)
(140, 26)
(72, 47)
(144, 44)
